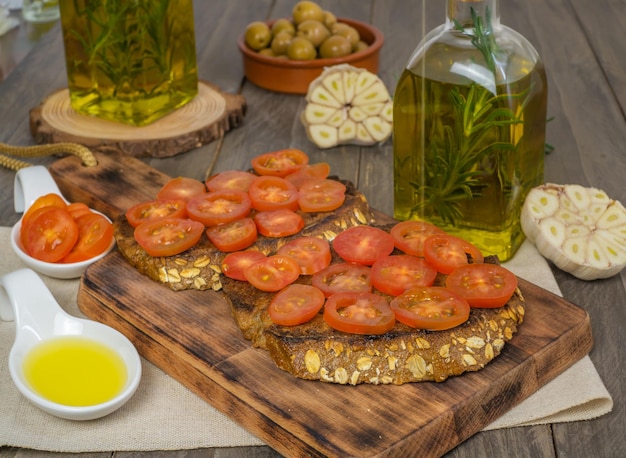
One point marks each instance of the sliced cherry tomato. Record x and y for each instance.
(167, 237)
(321, 196)
(272, 273)
(359, 313)
(447, 252)
(363, 244)
(273, 193)
(296, 304)
(155, 210)
(280, 163)
(311, 253)
(219, 207)
(95, 234)
(237, 180)
(396, 273)
(343, 278)
(181, 188)
(233, 236)
(235, 263)
(47, 200)
(278, 223)
(483, 285)
(409, 236)
(430, 307)
(50, 234)
(78, 209)
(309, 172)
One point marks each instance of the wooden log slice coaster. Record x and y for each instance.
(206, 118)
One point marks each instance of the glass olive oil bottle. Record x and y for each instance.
(469, 128)
(129, 61)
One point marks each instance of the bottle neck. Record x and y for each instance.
(463, 12)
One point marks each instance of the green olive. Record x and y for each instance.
(283, 24)
(267, 52)
(335, 46)
(314, 31)
(301, 49)
(329, 19)
(258, 35)
(280, 42)
(307, 10)
(360, 46)
(347, 31)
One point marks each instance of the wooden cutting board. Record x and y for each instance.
(192, 337)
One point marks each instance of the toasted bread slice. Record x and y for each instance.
(315, 351)
(199, 267)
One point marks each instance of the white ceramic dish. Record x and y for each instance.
(26, 299)
(30, 184)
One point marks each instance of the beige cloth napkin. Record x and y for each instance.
(164, 415)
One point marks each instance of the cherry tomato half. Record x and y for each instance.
(181, 188)
(296, 304)
(363, 244)
(343, 278)
(321, 196)
(359, 313)
(430, 307)
(278, 223)
(311, 253)
(409, 236)
(50, 234)
(280, 163)
(169, 236)
(396, 273)
(447, 252)
(273, 193)
(219, 207)
(309, 172)
(272, 273)
(77, 209)
(95, 234)
(154, 210)
(234, 180)
(483, 285)
(233, 236)
(235, 263)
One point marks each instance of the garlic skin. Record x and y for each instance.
(581, 230)
(347, 105)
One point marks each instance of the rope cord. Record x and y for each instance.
(9, 162)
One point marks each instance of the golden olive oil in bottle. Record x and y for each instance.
(129, 61)
(469, 128)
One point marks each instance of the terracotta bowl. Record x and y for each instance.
(294, 77)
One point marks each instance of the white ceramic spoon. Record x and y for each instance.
(31, 183)
(25, 298)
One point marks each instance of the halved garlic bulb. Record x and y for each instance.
(580, 229)
(347, 105)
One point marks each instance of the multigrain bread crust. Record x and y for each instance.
(315, 351)
(199, 267)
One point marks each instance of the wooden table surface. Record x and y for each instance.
(582, 46)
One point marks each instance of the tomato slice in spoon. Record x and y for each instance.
(50, 234)
(95, 234)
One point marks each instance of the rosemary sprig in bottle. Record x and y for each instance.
(460, 154)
